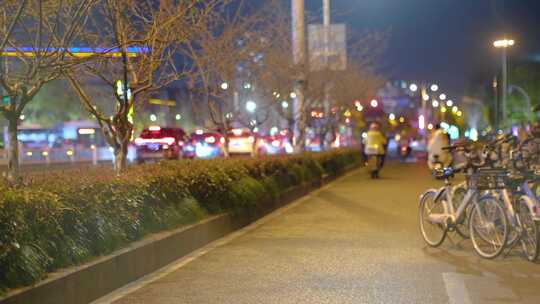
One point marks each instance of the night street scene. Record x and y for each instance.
(269, 151)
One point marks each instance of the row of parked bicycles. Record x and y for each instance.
(496, 205)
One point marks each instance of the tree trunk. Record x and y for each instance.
(226, 153)
(301, 140)
(13, 149)
(322, 140)
(120, 158)
(254, 146)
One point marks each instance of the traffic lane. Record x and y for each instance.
(356, 241)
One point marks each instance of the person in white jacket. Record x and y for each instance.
(439, 139)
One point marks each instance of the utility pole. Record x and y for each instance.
(504, 44)
(326, 28)
(496, 96)
(326, 12)
(504, 87)
(299, 55)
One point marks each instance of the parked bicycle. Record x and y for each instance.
(496, 206)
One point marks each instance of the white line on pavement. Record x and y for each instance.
(456, 289)
(160, 273)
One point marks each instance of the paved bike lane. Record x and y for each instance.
(354, 241)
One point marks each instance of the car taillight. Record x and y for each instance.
(210, 140)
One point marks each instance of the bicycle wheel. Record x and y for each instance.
(488, 227)
(432, 233)
(530, 243)
(462, 226)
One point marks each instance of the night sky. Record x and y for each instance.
(447, 41)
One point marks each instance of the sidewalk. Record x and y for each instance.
(354, 241)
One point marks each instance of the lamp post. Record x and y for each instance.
(504, 44)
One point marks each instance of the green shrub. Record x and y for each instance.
(60, 219)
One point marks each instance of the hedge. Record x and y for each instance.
(59, 219)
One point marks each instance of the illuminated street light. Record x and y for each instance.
(443, 109)
(459, 113)
(374, 103)
(442, 96)
(293, 95)
(392, 116)
(449, 103)
(153, 117)
(430, 126)
(503, 43)
(435, 103)
(251, 106)
(224, 86)
(434, 88)
(425, 97)
(178, 117)
(413, 87)
(284, 104)
(402, 119)
(455, 109)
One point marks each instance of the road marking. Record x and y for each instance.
(168, 269)
(456, 289)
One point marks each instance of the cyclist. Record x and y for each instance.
(375, 147)
(436, 155)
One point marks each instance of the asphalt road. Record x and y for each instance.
(354, 241)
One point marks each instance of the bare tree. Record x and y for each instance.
(36, 37)
(139, 42)
(224, 53)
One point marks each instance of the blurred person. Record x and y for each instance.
(436, 155)
(375, 149)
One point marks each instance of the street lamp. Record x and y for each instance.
(449, 103)
(442, 96)
(435, 103)
(503, 44)
(413, 87)
(434, 88)
(224, 86)
(251, 106)
(284, 104)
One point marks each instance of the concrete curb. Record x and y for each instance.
(92, 280)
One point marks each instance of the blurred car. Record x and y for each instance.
(157, 143)
(241, 141)
(313, 144)
(204, 145)
(277, 144)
